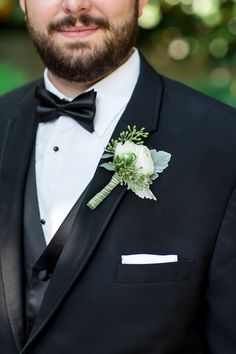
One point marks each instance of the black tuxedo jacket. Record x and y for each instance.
(96, 305)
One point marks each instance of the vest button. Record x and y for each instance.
(44, 275)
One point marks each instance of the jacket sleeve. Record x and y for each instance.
(220, 312)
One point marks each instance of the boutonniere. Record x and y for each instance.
(133, 164)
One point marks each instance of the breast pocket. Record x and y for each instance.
(154, 273)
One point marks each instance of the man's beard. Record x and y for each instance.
(78, 61)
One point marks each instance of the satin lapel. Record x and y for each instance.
(142, 110)
(18, 144)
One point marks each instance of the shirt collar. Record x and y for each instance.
(113, 92)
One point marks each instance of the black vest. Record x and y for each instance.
(39, 259)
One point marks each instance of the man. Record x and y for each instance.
(65, 282)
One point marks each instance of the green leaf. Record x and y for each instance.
(108, 166)
(107, 156)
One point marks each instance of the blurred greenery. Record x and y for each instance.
(193, 41)
(10, 77)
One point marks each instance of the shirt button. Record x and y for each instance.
(56, 148)
(43, 222)
(44, 275)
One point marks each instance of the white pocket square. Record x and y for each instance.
(148, 258)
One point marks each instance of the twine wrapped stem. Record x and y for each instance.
(99, 197)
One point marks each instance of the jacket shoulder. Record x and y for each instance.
(11, 100)
(195, 122)
(197, 103)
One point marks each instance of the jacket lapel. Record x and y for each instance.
(142, 111)
(17, 149)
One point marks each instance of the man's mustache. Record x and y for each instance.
(71, 21)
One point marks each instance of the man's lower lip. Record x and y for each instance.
(78, 34)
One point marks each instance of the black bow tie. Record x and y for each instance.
(82, 108)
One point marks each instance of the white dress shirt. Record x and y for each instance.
(67, 155)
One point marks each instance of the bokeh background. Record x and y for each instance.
(192, 41)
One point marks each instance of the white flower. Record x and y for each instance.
(127, 148)
(144, 163)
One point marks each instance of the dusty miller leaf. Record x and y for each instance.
(108, 166)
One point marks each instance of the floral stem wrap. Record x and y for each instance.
(99, 197)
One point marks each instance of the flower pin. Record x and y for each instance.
(133, 164)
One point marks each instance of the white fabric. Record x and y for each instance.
(148, 258)
(62, 176)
